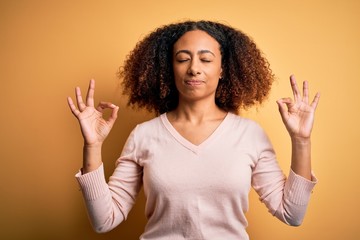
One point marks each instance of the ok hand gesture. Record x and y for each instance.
(93, 126)
(298, 114)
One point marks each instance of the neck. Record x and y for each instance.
(196, 112)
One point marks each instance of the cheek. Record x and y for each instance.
(177, 79)
(177, 76)
(179, 71)
(215, 70)
(214, 73)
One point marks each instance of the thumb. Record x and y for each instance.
(284, 104)
(113, 115)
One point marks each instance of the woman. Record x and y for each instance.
(197, 159)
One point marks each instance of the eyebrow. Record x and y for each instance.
(199, 52)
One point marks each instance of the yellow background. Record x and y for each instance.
(49, 47)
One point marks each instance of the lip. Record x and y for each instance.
(193, 82)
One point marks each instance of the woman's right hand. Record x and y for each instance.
(94, 127)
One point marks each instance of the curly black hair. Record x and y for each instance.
(148, 77)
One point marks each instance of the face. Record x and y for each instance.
(197, 66)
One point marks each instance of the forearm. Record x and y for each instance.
(101, 205)
(301, 157)
(91, 158)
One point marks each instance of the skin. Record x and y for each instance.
(94, 127)
(197, 69)
(298, 118)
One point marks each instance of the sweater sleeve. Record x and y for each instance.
(286, 198)
(108, 204)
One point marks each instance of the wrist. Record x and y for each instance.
(91, 157)
(92, 145)
(300, 140)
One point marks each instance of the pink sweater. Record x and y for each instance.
(195, 191)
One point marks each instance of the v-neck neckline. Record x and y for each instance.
(185, 142)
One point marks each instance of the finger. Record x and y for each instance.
(285, 101)
(90, 94)
(282, 109)
(104, 105)
(281, 105)
(295, 89)
(284, 104)
(113, 116)
(306, 92)
(79, 100)
(315, 102)
(73, 107)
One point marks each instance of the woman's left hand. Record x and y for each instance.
(298, 114)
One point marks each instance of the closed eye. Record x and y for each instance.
(182, 60)
(206, 60)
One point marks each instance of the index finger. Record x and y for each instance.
(90, 94)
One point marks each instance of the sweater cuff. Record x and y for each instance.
(298, 189)
(93, 184)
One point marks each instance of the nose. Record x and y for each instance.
(194, 68)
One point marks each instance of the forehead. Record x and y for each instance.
(196, 40)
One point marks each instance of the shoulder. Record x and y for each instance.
(144, 132)
(247, 129)
(246, 124)
(149, 127)
(150, 123)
